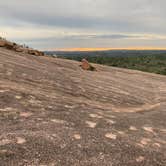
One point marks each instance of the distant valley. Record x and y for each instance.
(153, 61)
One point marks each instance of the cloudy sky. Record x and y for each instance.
(67, 24)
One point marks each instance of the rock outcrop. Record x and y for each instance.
(2, 43)
(53, 113)
(35, 52)
(86, 65)
(19, 48)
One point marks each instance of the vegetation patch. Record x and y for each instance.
(148, 63)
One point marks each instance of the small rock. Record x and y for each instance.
(86, 66)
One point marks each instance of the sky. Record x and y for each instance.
(84, 24)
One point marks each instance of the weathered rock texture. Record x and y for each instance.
(54, 113)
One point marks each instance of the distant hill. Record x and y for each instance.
(111, 53)
(145, 60)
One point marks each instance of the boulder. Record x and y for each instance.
(86, 65)
(2, 43)
(9, 45)
(35, 52)
(19, 49)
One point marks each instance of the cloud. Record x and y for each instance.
(96, 40)
(83, 20)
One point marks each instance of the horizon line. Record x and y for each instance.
(107, 49)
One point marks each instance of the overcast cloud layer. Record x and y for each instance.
(55, 24)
